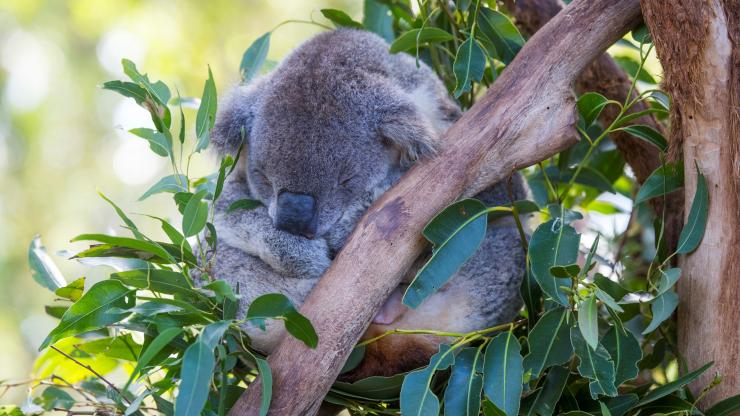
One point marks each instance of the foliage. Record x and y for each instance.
(588, 341)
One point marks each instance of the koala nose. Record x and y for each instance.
(296, 214)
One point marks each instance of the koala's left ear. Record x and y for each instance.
(235, 118)
(406, 129)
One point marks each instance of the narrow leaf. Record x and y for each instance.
(43, 269)
(417, 398)
(170, 184)
(463, 392)
(648, 134)
(553, 244)
(198, 364)
(340, 18)
(470, 62)
(588, 321)
(595, 365)
(662, 308)
(693, 231)
(501, 32)
(206, 115)
(195, 215)
(416, 37)
(502, 373)
(254, 58)
(668, 388)
(549, 342)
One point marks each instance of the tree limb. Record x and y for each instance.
(525, 117)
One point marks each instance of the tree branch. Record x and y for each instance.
(525, 117)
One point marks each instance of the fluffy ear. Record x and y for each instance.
(235, 118)
(406, 129)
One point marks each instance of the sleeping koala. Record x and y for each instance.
(327, 132)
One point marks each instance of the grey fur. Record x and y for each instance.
(341, 119)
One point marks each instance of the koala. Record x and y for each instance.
(326, 132)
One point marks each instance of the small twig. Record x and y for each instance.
(90, 369)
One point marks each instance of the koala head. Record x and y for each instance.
(324, 138)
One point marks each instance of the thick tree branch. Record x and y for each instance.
(698, 44)
(608, 79)
(526, 116)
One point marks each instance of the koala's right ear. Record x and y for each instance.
(235, 118)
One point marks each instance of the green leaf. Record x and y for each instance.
(278, 306)
(212, 333)
(254, 58)
(206, 115)
(549, 342)
(553, 244)
(222, 290)
(127, 89)
(631, 66)
(662, 308)
(625, 352)
(377, 18)
(243, 204)
(463, 392)
(157, 345)
(72, 291)
(195, 216)
(668, 388)
(693, 231)
(726, 407)
(470, 62)
(668, 278)
(503, 372)
(373, 388)
(54, 397)
(226, 162)
(588, 322)
(340, 18)
(158, 90)
(102, 305)
(156, 280)
(532, 296)
(614, 289)
(416, 37)
(662, 181)
(626, 118)
(608, 300)
(263, 367)
(43, 269)
(158, 142)
(417, 398)
(170, 183)
(121, 347)
(151, 248)
(198, 364)
(590, 106)
(619, 405)
(501, 32)
(595, 365)
(548, 396)
(456, 232)
(571, 270)
(648, 134)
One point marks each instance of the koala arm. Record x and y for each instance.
(252, 232)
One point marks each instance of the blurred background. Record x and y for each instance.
(63, 138)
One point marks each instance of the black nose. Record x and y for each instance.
(296, 214)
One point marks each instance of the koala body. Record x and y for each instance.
(328, 131)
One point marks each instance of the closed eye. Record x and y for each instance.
(346, 181)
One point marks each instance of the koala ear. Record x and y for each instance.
(404, 127)
(235, 117)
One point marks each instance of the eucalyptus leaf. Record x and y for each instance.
(648, 134)
(340, 18)
(668, 388)
(553, 244)
(726, 407)
(502, 373)
(693, 230)
(100, 306)
(377, 18)
(456, 232)
(169, 183)
(43, 269)
(278, 306)
(195, 215)
(413, 38)
(664, 180)
(470, 61)
(549, 342)
(547, 397)
(595, 365)
(254, 58)
(243, 204)
(206, 115)
(417, 397)
(158, 142)
(198, 365)
(463, 392)
(72, 291)
(625, 352)
(497, 28)
(588, 322)
(662, 308)
(590, 105)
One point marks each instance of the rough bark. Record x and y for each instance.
(697, 43)
(606, 77)
(526, 116)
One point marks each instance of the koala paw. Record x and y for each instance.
(297, 256)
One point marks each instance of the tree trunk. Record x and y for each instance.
(608, 79)
(525, 117)
(697, 43)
